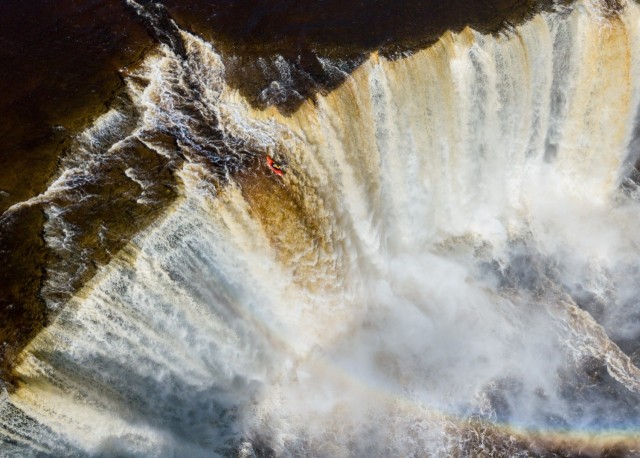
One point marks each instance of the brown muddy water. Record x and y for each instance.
(62, 66)
(133, 184)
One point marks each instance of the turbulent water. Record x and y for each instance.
(448, 267)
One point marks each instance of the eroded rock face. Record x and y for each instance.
(285, 52)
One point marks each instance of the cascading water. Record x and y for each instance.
(448, 267)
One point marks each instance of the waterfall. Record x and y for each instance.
(448, 265)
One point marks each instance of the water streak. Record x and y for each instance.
(455, 244)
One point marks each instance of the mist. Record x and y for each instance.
(448, 264)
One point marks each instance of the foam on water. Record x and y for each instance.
(455, 244)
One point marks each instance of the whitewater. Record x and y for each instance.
(448, 267)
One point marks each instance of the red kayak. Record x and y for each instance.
(276, 168)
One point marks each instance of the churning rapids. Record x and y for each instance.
(449, 266)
